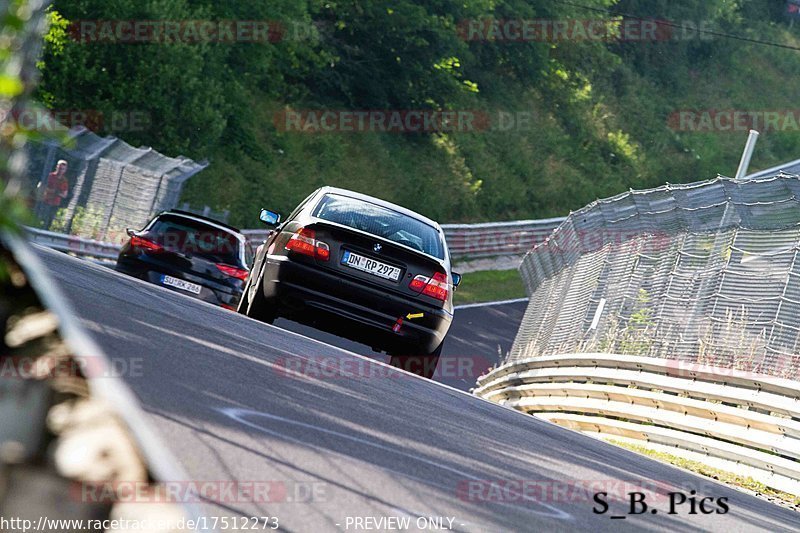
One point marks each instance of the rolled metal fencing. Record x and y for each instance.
(703, 275)
(705, 272)
(110, 185)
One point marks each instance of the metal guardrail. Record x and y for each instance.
(497, 239)
(73, 244)
(473, 241)
(735, 420)
(464, 240)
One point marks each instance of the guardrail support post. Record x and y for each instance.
(744, 164)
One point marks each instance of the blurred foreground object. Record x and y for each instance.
(59, 438)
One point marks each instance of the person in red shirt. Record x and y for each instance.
(55, 191)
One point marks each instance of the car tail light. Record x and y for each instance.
(418, 283)
(145, 244)
(232, 271)
(435, 287)
(304, 242)
(322, 251)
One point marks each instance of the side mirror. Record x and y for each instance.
(269, 218)
(130, 231)
(456, 279)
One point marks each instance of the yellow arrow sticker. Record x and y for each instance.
(412, 316)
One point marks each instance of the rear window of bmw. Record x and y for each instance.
(380, 221)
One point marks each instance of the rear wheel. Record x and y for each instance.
(420, 364)
(257, 307)
(244, 301)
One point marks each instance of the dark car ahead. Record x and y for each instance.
(362, 268)
(189, 254)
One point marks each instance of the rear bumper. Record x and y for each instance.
(151, 273)
(354, 310)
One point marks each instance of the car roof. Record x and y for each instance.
(378, 201)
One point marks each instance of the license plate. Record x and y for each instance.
(181, 284)
(365, 264)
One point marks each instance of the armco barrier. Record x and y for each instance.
(738, 421)
(72, 244)
(697, 287)
(464, 240)
(497, 239)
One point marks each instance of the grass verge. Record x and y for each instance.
(723, 476)
(489, 286)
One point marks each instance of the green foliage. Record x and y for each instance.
(634, 336)
(181, 86)
(60, 222)
(637, 336)
(402, 57)
(600, 109)
(642, 315)
(489, 286)
(13, 212)
(18, 39)
(86, 223)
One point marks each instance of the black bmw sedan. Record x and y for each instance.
(190, 254)
(361, 268)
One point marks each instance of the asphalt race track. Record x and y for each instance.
(478, 338)
(359, 447)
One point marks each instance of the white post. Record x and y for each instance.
(744, 164)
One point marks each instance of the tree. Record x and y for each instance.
(183, 88)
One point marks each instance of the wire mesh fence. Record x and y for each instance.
(705, 273)
(103, 185)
